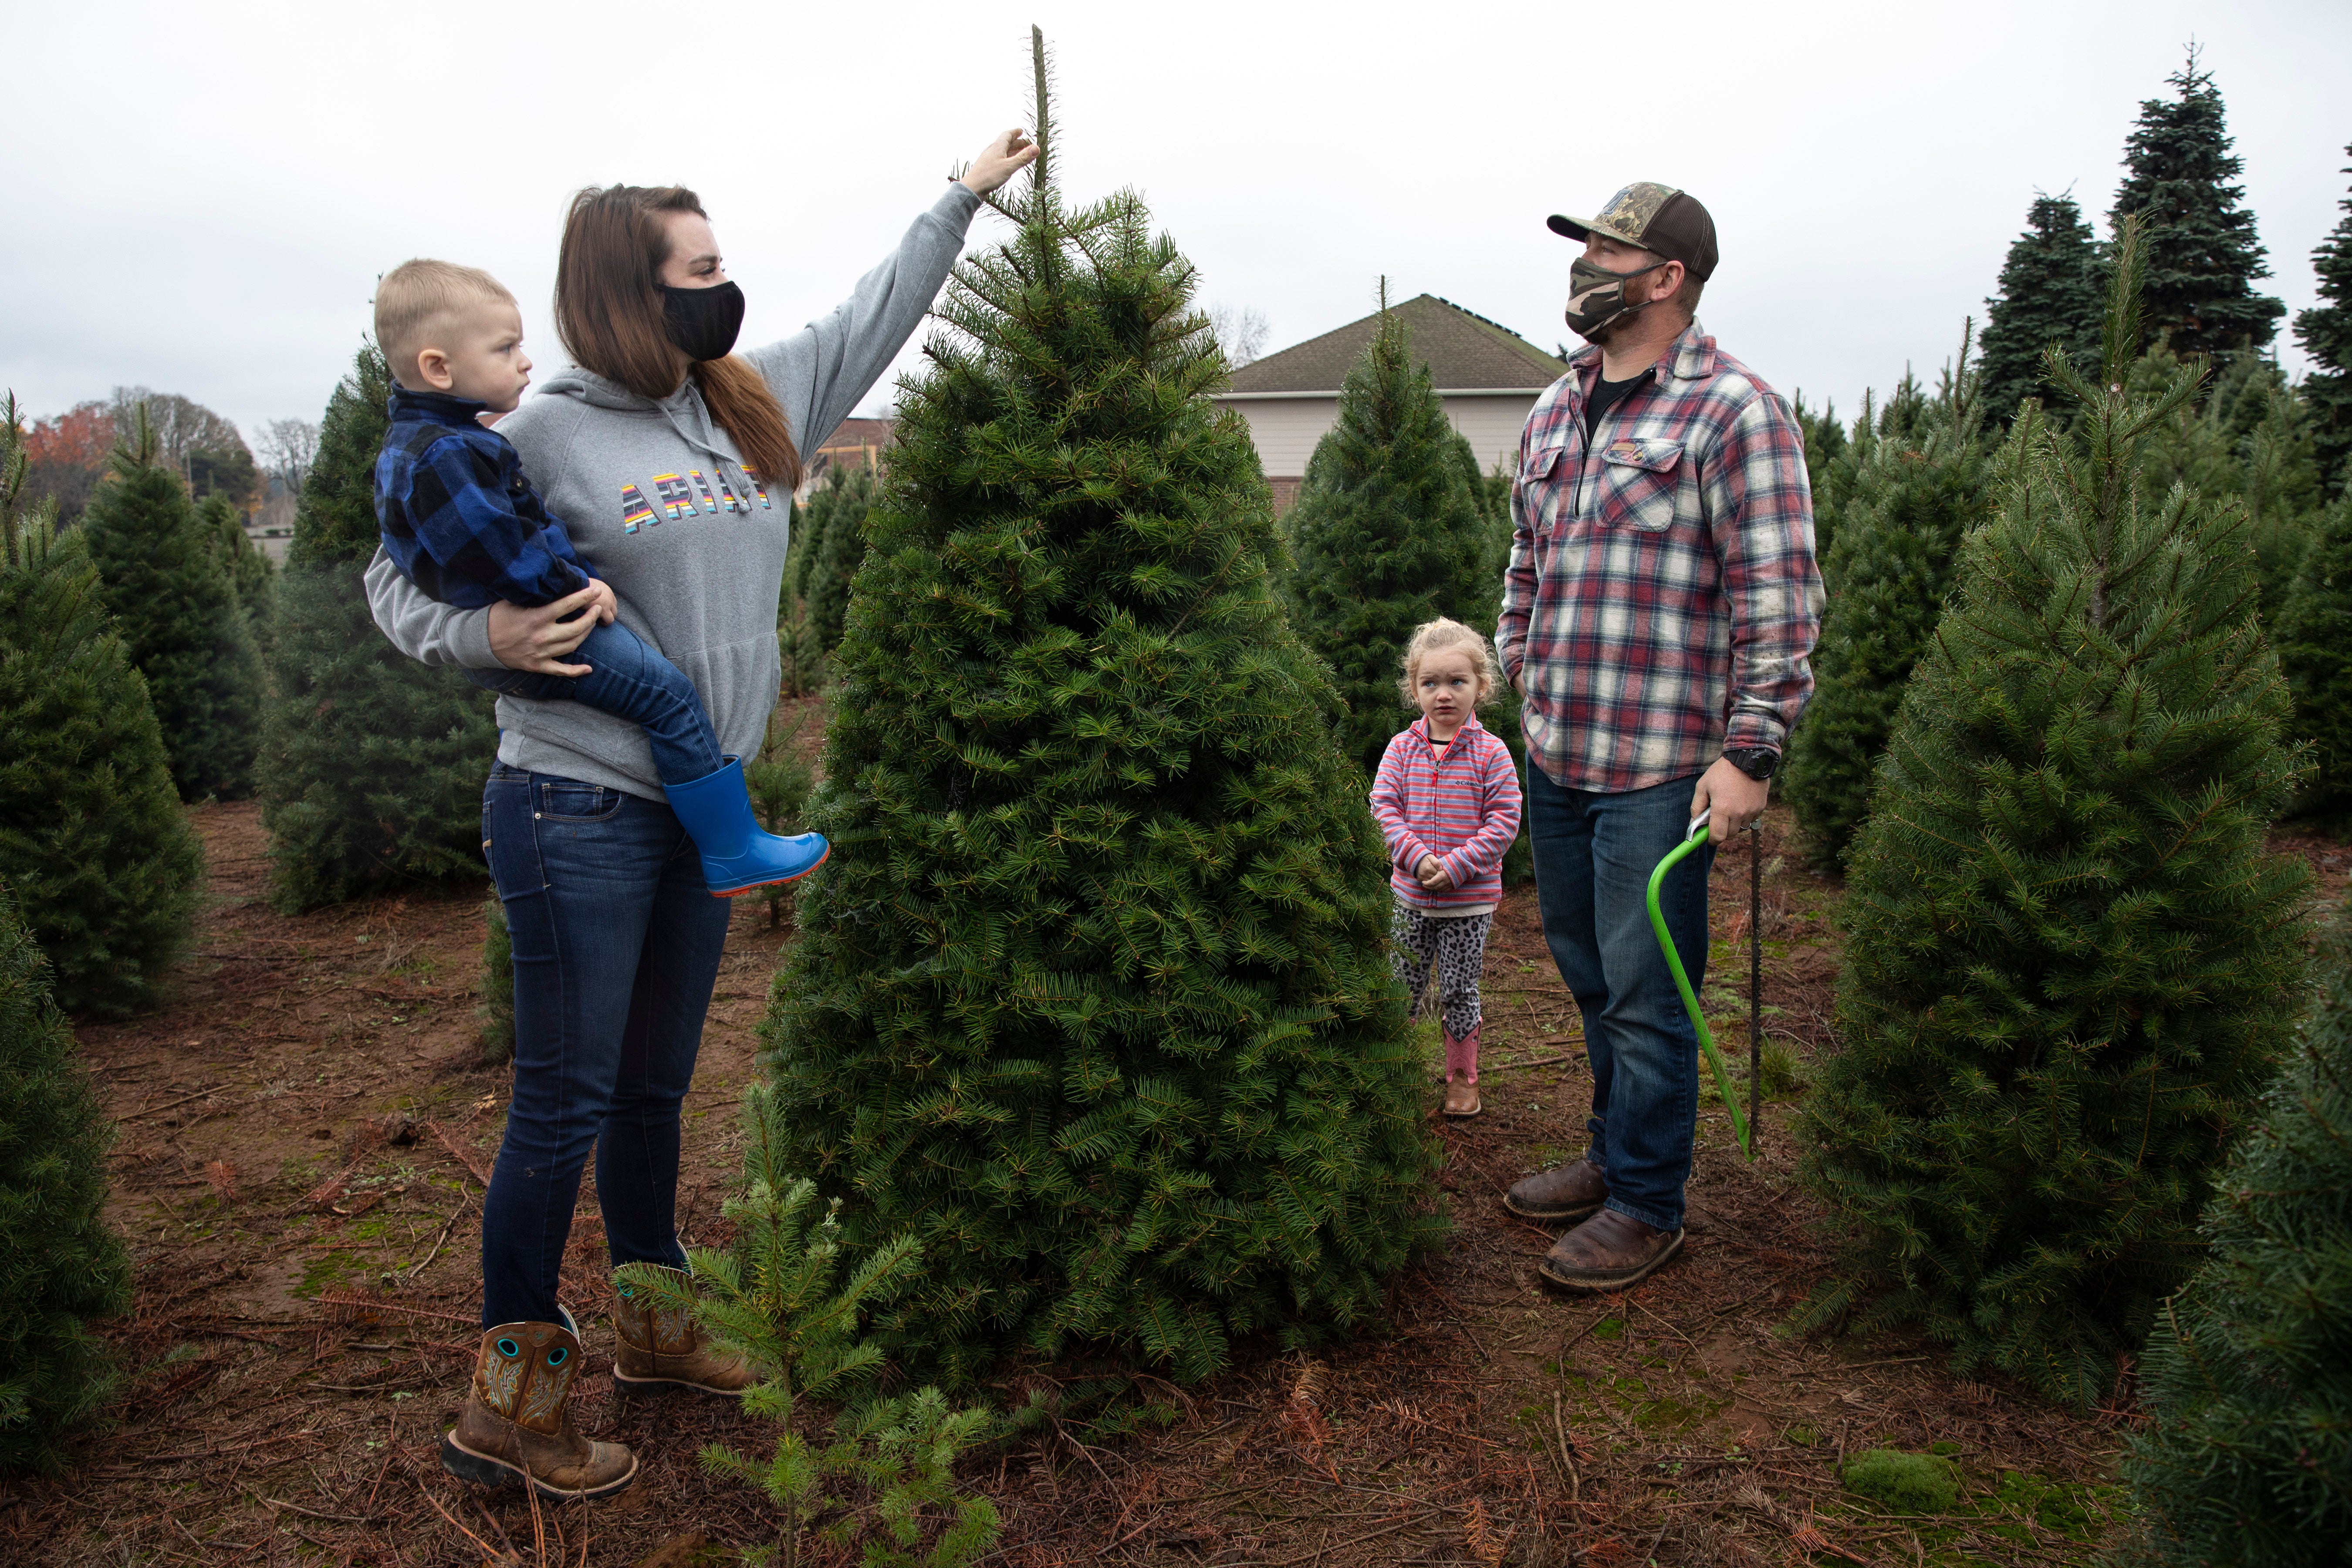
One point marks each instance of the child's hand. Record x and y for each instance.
(601, 599)
(1430, 873)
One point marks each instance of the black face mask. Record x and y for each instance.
(703, 322)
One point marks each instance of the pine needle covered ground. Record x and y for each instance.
(279, 1157)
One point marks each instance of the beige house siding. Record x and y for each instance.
(1285, 429)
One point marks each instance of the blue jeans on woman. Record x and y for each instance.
(1594, 854)
(617, 946)
(629, 678)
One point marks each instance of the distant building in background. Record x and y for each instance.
(271, 526)
(858, 441)
(1488, 375)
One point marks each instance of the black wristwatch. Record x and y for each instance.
(1753, 760)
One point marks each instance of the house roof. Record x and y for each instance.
(1462, 349)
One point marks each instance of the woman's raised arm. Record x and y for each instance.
(822, 373)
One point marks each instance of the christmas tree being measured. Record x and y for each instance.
(371, 764)
(1387, 533)
(1093, 998)
(2247, 1452)
(1912, 498)
(2070, 961)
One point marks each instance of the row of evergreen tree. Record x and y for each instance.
(1896, 494)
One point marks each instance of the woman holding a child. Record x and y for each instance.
(670, 461)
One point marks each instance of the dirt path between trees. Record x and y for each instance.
(306, 1128)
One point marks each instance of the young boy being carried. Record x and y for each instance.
(462, 522)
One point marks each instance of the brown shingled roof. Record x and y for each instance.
(1462, 350)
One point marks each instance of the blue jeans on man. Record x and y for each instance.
(1594, 853)
(617, 947)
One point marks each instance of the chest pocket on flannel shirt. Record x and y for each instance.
(1639, 483)
(1544, 479)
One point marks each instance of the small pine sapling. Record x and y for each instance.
(779, 1298)
(2071, 957)
(2246, 1453)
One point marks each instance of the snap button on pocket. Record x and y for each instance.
(1642, 480)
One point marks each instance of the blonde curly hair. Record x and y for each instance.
(1433, 636)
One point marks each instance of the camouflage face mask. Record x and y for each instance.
(1596, 296)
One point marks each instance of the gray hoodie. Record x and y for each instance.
(656, 496)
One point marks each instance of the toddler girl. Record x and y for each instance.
(1448, 803)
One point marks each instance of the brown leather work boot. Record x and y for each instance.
(517, 1423)
(1572, 1191)
(663, 1350)
(1609, 1253)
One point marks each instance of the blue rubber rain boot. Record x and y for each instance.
(737, 854)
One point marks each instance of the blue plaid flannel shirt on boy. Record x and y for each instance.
(458, 515)
(1662, 598)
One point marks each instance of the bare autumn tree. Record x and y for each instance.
(204, 448)
(1240, 330)
(286, 449)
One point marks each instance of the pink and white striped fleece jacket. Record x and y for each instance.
(1461, 805)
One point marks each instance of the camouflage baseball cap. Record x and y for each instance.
(1658, 218)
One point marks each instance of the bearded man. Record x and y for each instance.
(1658, 617)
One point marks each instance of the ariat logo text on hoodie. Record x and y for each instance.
(675, 495)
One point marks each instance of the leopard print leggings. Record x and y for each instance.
(1456, 949)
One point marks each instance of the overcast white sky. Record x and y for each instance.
(199, 197)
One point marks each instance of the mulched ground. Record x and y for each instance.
(304, 1134)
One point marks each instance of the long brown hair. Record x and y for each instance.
(608, 313)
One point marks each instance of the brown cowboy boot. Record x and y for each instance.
(517, 1423)
(1570, 1192)
(663, 1350)
(1609, 1251)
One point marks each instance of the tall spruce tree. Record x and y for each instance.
(2246, 1455)
(160, 569)
(104, 867)
(1912, 500)
(1093, 997)
(2070, 959)
(2052, 289)
(2315, 647)
(2203, 254)
(60, 1264)
(1387, 533)
(371, 764)
(2325, 333)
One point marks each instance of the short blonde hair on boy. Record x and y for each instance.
(417, 296)
(1433, 636)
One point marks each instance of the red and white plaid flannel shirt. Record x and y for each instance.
(1662, 598)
